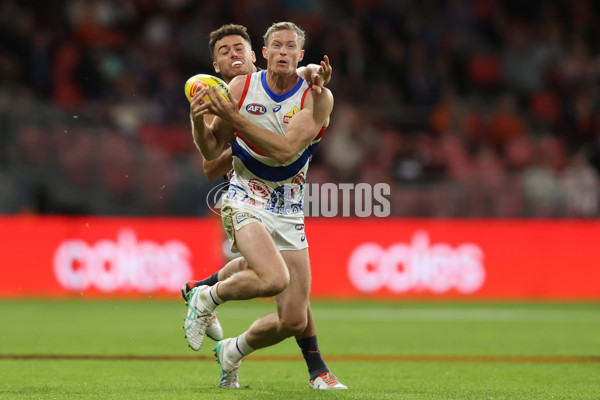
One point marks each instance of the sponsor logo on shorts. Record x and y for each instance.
(258, 187)
(303, 238)
(256, 109)
(299, 227)
(243, 216)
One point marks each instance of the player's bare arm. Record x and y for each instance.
(317, 75)
(303, 127)
(211, 139)
(220, 166)
(220, 130)
(216, 168)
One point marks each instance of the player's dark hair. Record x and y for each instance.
(227, 30)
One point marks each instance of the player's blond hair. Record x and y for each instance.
(285, 26)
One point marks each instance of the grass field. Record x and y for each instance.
(86, 349)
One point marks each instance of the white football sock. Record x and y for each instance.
(239, 348)
(214, 295)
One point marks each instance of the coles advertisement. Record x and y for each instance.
(351, 258)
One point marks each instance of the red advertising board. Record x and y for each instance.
(351, 257)
(479, 259)
(58, 256)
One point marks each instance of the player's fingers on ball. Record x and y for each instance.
(195, 105)
(208, 96)
(195, 100)
(204, 108)
(201, 105)
(215, 97)
(199, 97)
(218, 95)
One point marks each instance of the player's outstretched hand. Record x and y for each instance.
(322, 76)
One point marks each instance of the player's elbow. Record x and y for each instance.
(283, 158)
(211, 173)
(284, 154)
(206, 153)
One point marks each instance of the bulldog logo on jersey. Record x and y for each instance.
(287, 117)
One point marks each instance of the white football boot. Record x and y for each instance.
(198, 317)
(229, 368)
(214, 329)
(326, 381)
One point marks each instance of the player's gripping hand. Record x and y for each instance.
(198, 108)
(227, 110)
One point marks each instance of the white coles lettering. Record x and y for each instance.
(417, 266)
(125, 264)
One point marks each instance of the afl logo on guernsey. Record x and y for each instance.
(256, 109)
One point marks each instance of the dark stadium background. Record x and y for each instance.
(467, 108)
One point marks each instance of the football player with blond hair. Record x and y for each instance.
(232, 55)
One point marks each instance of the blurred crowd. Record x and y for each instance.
(467, 108)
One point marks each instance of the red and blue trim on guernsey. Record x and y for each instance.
(264, 171)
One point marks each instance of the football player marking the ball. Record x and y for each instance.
(232, 53)
(270, 151)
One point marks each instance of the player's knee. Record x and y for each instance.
(240, 264)
(277, 284)
(295, 326)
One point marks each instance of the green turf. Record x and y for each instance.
(153, 328)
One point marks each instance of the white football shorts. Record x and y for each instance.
(287, 231)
